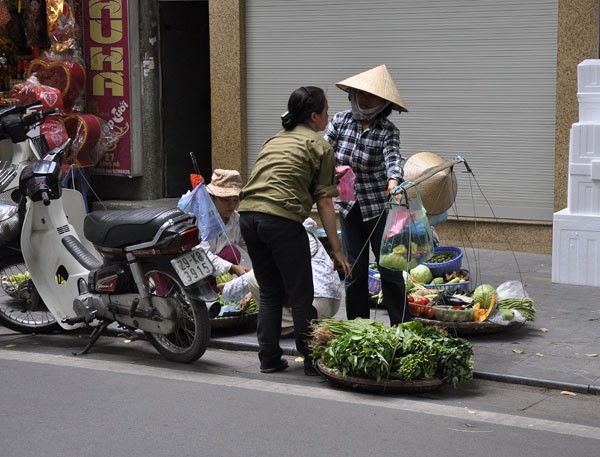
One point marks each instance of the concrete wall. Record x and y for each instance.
(228, 84)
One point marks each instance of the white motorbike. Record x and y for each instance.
(141, 269)
(20, 145)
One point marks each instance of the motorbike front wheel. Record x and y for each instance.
(21, 307)
(190, 339)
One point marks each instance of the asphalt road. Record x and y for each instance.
(123, 399)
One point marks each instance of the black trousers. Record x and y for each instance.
(280, 254)
(357, 237)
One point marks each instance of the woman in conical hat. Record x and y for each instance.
(366, 140)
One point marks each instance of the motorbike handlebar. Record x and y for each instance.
(15, 127)
(37, 116)
(20, 108)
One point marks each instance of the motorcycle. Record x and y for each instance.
(22, 310)
(145, 270)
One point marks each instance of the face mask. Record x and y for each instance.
(364, 114)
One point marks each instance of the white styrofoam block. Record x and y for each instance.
(595, 170)
(588, 76)
(576, 249)
(583, 191)
(588, 90)
(584, 142)
(589, 108)
(583, 196)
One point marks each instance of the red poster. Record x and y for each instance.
(106, 47)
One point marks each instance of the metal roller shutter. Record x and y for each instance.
(478, 77)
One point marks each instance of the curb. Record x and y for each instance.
(536, 382)
(251, 347)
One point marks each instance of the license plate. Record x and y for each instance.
(193, 266)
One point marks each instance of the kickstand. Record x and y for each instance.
(98, 330)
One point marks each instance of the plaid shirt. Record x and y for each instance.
(373, 154)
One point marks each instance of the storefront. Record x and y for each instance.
(83, 72)
(170, 63)
(84, 56)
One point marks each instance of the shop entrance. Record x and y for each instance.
(185, 92)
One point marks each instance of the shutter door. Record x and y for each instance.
(478, 77)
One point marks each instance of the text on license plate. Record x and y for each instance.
(192, 266)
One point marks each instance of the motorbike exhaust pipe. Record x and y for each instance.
(214, 309)
(204, 292)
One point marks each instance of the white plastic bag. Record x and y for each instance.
(518, 317)
(511, 289)
(497, 318)
(209, 221)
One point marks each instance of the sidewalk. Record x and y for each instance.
(559, 350)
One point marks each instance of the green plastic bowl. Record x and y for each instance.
(450, 314)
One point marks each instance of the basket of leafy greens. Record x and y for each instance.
(369, 355)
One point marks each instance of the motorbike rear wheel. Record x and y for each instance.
(190, 339)
(21, 307)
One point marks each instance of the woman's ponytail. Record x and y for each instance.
(302, 103)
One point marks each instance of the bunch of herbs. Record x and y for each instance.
(409, 351)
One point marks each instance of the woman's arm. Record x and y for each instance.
(328, 219)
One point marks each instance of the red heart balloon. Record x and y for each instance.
(68, 76)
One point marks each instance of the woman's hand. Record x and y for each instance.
(238, 270)
(342, 260)
(244, 302)
(339, 174)
(392, 184)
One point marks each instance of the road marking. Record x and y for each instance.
(423, 407)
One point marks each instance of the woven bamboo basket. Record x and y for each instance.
(383, 386)
(470, 328)
(227, 322)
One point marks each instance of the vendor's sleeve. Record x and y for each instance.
(392, 157)
(325, 181)
(331, 135)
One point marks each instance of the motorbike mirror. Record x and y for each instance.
(46, 168)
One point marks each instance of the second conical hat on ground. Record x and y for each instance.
(377, 81)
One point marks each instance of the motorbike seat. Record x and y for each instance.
(119, 228)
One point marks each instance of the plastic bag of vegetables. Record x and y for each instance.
(407, 238)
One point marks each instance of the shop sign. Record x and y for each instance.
(106, 48)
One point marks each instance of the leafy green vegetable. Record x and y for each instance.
(409, 351)
(421, 274)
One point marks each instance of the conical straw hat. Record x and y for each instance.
(438, 192)
(377, 81)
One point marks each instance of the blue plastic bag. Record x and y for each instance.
(208, 220)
